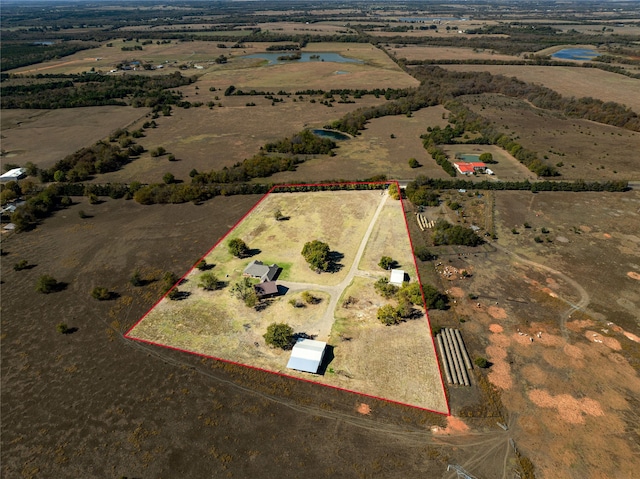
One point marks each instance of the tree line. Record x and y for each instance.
(94, 89)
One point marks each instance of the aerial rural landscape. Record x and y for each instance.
(340, 239)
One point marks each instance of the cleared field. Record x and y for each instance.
(46, 136)
(424, 52)
(568, 81)
(218, 324)
(564, 343)
(374, 152)
(582, 149)
(316, 28)
(207, 139)
(376, 71)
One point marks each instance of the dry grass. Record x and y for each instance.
(59, 132)
(585, 149)
(569, 81)
(507, 168)
(219, 325)
(424, 52)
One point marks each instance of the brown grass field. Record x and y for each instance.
(424, 52)
(585, 149)
(568, 81)
(573, 418)
(94, 404)
(59, 132)
(219, 325)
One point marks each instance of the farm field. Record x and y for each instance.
(217, 324)
(568, 81)
(59, 132)
(425, 52)
(583, 149)
(208, 139)
(551, 299)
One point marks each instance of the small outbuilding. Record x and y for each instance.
(13, 175)
(266, 289)
(307, 355)
(397, 277)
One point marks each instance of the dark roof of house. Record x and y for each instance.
(266, 288)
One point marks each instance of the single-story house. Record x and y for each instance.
(13, 175)
(307, 355)
(257, 269)
(397, 277)
(266, 289)
(469, 168)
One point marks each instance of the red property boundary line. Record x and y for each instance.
(256, 368)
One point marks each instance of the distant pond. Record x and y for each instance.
(334, 135)
(575, 54)
(272, 58)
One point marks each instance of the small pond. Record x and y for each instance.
(334, 135)
(575, 54)
(468, 158)
(272, 58)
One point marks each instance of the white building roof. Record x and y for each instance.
(307, 355)
(14, 174)
(397, 277)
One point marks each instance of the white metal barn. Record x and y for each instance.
(307, 355)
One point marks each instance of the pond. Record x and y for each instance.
(272, 58)
(468, 158)
(575, 54)
(334, 135)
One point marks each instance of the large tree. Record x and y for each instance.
(238, 248)
(317, 255)
(278, 335)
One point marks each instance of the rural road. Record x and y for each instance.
(322, 327)
(584, 296)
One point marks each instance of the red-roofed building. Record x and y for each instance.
(470, 168)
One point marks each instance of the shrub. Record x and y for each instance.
(100, 293)
(385, 289)
(174, 294)
(309, 298)
(278, 335)
(423, 254)
(387, 262)
(388, 315)
(47, 284)
(62, 328)
(202, 265)
(413, 163)
(136, 278)
(209, 281)
(20, 265)
(481, 362)
(237, 247)
(168, 178)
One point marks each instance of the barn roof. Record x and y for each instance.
(307, 355)
(397, 277)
